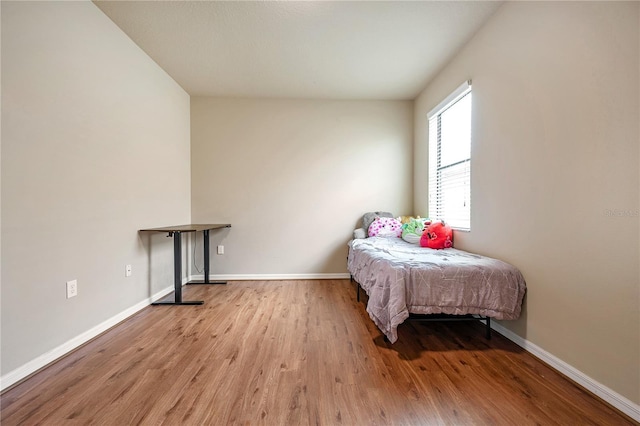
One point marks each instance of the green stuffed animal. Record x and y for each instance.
(413, 229)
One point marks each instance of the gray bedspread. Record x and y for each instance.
(402, 278)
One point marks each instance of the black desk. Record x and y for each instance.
(176, 232)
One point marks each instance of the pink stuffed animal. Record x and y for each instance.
(385, 227)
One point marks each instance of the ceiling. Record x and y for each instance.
(306, 49)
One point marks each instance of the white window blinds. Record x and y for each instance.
(450, 159)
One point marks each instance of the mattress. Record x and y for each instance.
(402, 278)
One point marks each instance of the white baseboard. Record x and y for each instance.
(267, 277)
(43, 360)
(623, 404)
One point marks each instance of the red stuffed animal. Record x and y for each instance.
(437, 236)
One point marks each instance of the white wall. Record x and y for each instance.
(294, 177)
(95, 144)
(554, 151)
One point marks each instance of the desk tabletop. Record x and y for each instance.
(189, 228)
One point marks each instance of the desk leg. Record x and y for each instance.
(177, 274)
(205, 236)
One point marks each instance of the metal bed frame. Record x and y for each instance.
(440, 317)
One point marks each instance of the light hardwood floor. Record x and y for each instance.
(296, 353)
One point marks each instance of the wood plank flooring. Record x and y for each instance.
(296, 353)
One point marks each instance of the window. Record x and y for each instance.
(450, 159)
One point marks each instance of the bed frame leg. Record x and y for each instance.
(357, 288)
(488, 328)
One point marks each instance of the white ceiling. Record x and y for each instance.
(307, 49)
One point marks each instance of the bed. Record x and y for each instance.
(404, 279)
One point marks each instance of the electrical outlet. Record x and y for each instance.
(72, 289)
(127, 271)
(220, 249)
